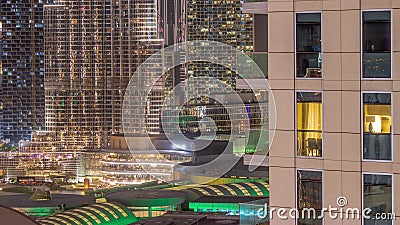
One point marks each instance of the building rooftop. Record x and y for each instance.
(228, 199)
(260, 189)
(24, 201)
(147, 198)
(190, 218)
(102, 213)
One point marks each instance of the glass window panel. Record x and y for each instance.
(308, 37)
(309, 124)
(261, 59)
(260, 33)
(376, 44)
(376, 16)
(309, 195)
(308, 45)
(308, 17)
(377, 126)
(377, 196)
(309, 65)
(377, 65)
(376, 36)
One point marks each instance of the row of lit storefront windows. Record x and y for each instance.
(377, 196)
(376, 131)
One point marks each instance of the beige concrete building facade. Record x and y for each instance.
(355, 80)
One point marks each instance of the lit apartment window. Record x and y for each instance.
(308, 45)
(378, 197)
(376, 55)
(377, 126)
(309, 195)
(309, 124)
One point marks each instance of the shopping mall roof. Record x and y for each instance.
(190, 218)
(11, 216)
(102, 213)
(25, 201)
(235, 189)
(228, 199)
(147, 198)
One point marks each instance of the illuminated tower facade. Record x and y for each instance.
(135, 36)
(92, 52)
(223, 21)
(76, 58)
(21, 69)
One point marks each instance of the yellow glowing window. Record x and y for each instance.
(124, 214)
(309, 124)
(377, 117)
(377, 126)
(89, 214)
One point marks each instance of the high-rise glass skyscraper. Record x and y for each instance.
(92, 51)
(76, 48)
(22, 69)
(135, 36)
(221, 21)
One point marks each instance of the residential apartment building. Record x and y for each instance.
(333, 67)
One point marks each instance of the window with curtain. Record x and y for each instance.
(377, 126)
(309, 124)
(309, 195)
(308, 45)
(378, 197)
